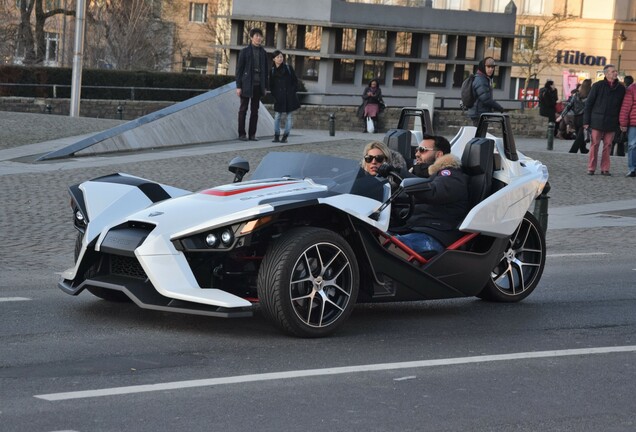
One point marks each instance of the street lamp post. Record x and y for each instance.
(621, 44)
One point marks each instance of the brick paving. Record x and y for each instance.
(35, 218)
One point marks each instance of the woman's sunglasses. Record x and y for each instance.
(379, 158)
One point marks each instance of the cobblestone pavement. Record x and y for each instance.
(35, 217)
(17, 129)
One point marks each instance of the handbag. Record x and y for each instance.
(382, 106)
(370, 125)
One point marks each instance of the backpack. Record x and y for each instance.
(467, 93)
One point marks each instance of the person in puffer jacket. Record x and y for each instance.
(627, 120)
(442, 205)
(482, 90)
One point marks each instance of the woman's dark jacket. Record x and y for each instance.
(444, 204)
(245, 74)
(548, 98)
(603, 105)
(366, 99)
(283, 84)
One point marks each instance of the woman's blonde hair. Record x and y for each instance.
(376, 145)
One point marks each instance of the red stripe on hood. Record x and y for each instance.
(217, 192)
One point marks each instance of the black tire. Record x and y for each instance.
(308, 282)
(521, 265)
(105, 294)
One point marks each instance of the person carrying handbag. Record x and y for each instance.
(370, 108)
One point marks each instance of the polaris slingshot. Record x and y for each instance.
(306, 238)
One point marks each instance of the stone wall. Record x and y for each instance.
(445, 122)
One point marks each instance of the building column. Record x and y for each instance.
(281, 37)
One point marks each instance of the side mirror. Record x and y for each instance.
(239, 167)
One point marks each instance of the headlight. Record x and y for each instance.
(212, 240)
(227, 237)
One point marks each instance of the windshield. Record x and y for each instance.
(338, 174)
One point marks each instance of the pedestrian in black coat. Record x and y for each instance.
(283, 85)
(251, 82)
(548, 98)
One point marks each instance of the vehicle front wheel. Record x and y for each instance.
(521, 266)
(308, 282)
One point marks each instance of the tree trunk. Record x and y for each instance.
(40, 35)
(25, 33)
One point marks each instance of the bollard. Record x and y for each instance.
(550, 135)
(49, 108)
(332, 124)
(541, 207)
(120, 112)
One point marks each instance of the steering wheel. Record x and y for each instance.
(401, 209)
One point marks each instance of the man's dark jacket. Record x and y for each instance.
(484, 101)
(244, 68)
(603, 105)
(444, 204)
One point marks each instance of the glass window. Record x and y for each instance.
(198, 65)
(373, 70)
(198, 12)
(471, 43)
(291, 42)
(530, 31)
(404, 73)
(344, 71)
(447, 4)
(493, 47)
(346, 41)
(248, 25)
(404, 44)
(438, 46)
(310, 68)
(532, 7)
(497, 6)
(436, 75)
(376, 42)
(51, 47)
(313, 35)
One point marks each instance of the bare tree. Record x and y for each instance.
(8, 30)
(220, 28)
(538, 51)
(129, 35)
(31, 38)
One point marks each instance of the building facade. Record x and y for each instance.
(410, 46)
(338, 46)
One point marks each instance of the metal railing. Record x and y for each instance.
(54, 88)
(441, 102)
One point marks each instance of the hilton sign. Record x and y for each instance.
(579, 58)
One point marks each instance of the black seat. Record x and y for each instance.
(477, 163)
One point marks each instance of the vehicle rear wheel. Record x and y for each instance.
(105, 294)
(308, 282)
(521, 266)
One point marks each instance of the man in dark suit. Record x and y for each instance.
(251, 82)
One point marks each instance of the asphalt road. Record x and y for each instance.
(564, 359)
(52, 344)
